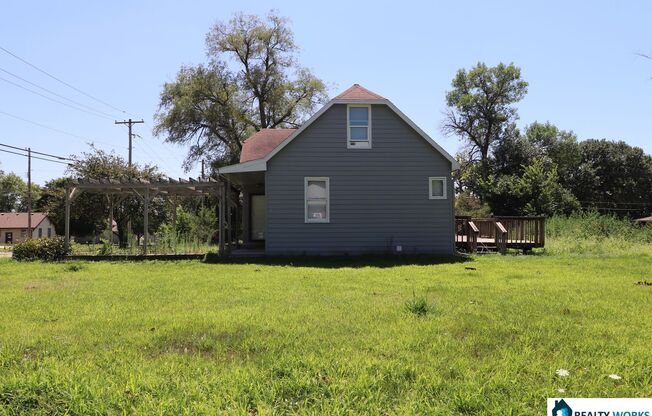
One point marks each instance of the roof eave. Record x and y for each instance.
(256, 165)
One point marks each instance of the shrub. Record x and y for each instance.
(46, 249)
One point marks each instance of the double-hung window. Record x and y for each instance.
(358, 127)
(317, 202)
(437, 187)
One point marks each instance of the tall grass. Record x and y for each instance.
(591, 233)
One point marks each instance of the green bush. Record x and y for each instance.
(46, 249)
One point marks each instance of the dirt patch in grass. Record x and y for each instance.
(49, 283)
(230, 344)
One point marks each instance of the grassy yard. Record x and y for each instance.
(328, 337)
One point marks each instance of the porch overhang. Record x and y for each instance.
(258, 165)
(245, 174)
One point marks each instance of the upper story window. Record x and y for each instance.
(358, 127)
(437, 187)
(317, 198)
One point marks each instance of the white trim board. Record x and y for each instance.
(261, 164)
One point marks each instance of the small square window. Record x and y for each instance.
(358, 127)
(437, 187)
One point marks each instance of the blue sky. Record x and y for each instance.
(580, 59)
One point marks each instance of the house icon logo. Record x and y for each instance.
(561, 408)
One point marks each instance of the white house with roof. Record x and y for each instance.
(14, 226)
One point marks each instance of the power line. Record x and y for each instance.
(59, 130)
(38, 153)
(61, 81)
(55, 93)
(54, 100)
(35, 157)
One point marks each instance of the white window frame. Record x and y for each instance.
(359, 144)
(305, 200)
(445, 185)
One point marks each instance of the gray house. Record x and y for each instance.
(357, 177)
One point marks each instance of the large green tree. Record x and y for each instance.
(252, 80)
(13, 193)
(613, 176)
(481, 110)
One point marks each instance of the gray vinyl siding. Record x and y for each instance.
(378, 197)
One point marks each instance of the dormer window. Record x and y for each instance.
(359, 127)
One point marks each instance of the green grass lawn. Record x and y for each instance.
(328, 337)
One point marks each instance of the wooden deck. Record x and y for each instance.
(499, 233)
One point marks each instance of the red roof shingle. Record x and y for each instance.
(261, 143)
(358, 92)
(19, 219)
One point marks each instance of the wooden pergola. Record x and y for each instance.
(145, 190)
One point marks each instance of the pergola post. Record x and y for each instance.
(229, 218)
(221, 203)
(67, 220)
(145, 220)
(110, 229)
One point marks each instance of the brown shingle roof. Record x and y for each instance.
(358, 92)
(19, 219)
(262, 143)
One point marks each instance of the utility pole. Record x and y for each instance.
(130, 122)
(29, 193)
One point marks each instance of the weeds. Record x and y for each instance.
(418, 306)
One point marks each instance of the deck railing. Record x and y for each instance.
(502, 232)
(466, 233)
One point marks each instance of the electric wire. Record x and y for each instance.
(57, 94)
(54, 100)
(35, 157)
(62, 81)
(86, 139)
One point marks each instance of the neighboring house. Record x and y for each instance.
(13, 226)
(357, 177)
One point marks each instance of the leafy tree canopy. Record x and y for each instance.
(13, 193)
(481, 109)
(252, 80)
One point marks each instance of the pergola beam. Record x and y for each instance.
(146, 191)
